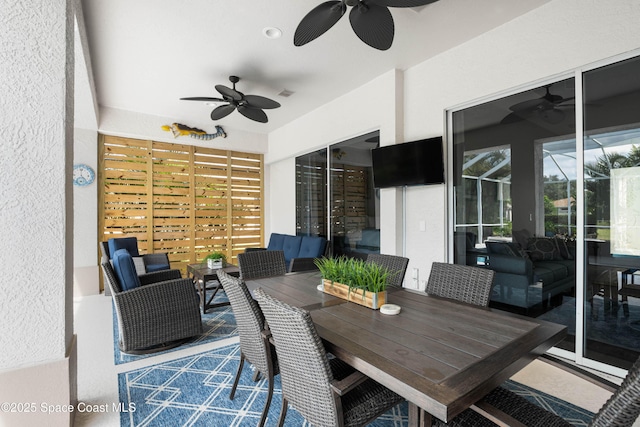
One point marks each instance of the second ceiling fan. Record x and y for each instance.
(371, 20)
(250, 106)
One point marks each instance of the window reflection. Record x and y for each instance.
(535, 258)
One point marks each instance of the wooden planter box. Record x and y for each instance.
(213, 263)
(370, 299)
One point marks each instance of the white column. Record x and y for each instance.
(37, 361)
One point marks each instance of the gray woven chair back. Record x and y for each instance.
(304, 369)
(396, 265)
(104, 251)
(461, 283)
(110, 277)
(249, 319)
(258, 264)
(623, 408)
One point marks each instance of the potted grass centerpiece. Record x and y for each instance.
(354, 280)
(215, 260)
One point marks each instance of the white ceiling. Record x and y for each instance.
(146, 54)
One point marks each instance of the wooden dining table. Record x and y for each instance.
(441, 355)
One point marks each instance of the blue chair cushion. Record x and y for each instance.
(276, 242)
(125, 270)
(128, 243)
(151, 268)
(312, 247)
(291, 247)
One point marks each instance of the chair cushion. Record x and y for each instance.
(128, 243)
(276, 242)
(311, 247)
(156, 262)
(139, 263)
(291, 247)
(125, 270)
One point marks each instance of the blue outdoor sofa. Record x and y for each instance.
(299, 251)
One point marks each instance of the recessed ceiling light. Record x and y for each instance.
(272, 32)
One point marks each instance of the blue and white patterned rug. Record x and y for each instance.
(218, 323)
(194, 391)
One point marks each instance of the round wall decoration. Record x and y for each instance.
(83, 175)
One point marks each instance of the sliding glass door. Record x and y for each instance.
(611, 147)
(557, 219)
(335, 197)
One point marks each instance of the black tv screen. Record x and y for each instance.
(412, 163)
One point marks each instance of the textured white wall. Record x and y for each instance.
(85, 201)
(551, 39)
(36, 108)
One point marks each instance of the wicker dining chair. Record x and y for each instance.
(311, 381)
(621, 410)
(258, 264)
(253, 346)
(461, 283)
(396, 265)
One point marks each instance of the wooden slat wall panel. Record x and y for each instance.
(184, 200)
(125, 174)
(172, 202)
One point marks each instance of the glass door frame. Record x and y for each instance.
(578, 355)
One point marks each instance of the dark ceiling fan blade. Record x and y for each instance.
(253, 113)
(318, 21)
(203, 98)
(373, 24)
(511, 118)
(552, 115)
(529, 105)
(229, 93)
(403, 3)
(563, 100)
(222, 111)
(256, 101)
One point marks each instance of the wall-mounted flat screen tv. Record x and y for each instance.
(411, 163)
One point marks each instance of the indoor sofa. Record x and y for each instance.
(535, 276)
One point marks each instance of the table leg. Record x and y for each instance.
(202, 291)
(418, 417)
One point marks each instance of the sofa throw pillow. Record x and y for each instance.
(543, 249)
(563, 247)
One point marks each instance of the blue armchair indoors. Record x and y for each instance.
(299, 251)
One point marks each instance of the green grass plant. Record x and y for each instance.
(355, 273)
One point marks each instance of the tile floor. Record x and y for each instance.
(98, 384)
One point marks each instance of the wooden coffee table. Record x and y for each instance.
(206, 281)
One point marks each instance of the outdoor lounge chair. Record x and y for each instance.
(154, 311)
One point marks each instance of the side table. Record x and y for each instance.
(206, 281)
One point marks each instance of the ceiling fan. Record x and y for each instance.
(250, 106)
(548, 108)
(371, 20)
